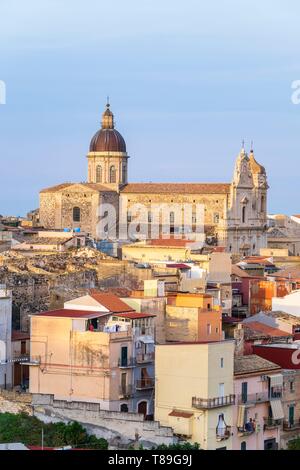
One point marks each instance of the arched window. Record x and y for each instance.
(124, 173)
(243, 214)
(76, 214)
(112, 174)
(98, 174)
(262, 204)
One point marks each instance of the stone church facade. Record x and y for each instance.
(235, 214)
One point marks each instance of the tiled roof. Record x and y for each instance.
(237, 271)
(265, 329)
(67, 313)
(60, 187)
(181, 188)
(292, 272)
(135, 315)
(110, 301)
(251, 364)
(19, 335)
(181, 414)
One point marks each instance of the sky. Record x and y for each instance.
(187, 81)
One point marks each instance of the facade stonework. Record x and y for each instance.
(234, 213)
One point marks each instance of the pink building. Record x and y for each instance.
(258, 411)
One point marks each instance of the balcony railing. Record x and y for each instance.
(223, 435)
(288, 426)
(142, 358)
(217, 402)
(144, 384)
(253, 398)
(31, 361)
(126, 391)
(125, 363)
(271, 423)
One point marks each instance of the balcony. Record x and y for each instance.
(126, 363)
(126, 391)
(208, 403)
(253, 398)
(288, 426)
(31, 361)
(144, 384)
(223, 435)
(143, 358)
(271, 423)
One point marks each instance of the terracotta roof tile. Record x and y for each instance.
(181, 414)
(60, 187)
(68, 313)
(265, 329)
(252, 364)
(182, 188)
(134, 315)
(110, 301)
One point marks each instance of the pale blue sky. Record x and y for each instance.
(187, 82)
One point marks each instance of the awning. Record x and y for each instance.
(241, 416)
(277, 410)
(276, 380)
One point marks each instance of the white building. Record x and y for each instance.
(289, 303)
(5, 337)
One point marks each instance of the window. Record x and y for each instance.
(216, 218)
(129, 216)
(222, 362)
(99, 174)
(262, 204)
(243, 445)
(76, 214)
(244, 214)
(124, 408)
(172, 217)
(208, 328)
(112, 174)
(124, 172)
(292, 386)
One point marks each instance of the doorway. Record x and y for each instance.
(142, 408)
(291, 415)
(270, 444)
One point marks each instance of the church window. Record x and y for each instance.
(194, 218)
(262, 204)
(98, 174)
(244, 214)
(172, 217)
(124, 173)
(149, 217)
(112, 174)
(76, 214)
(216, 218)
(129, 216)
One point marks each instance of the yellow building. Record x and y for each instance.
(194, 391)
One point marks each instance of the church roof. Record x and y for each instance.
(92, 186)
(108, 139)
(182, 188)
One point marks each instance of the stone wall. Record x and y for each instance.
(13, 402)
(118, 428)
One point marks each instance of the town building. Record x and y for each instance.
(258, 413)
(96, 349)
(194, 392)
(234, 213)
(6, 378)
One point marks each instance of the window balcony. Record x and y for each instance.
(142, 358)
(288, 426)
(271, 423)
(31, 361)
(126, 391)
(126, 363)
(253, 398)
(208, 403)
(224, 434)
(144, 384)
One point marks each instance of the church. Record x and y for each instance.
(235, 213)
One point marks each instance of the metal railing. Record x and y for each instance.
(288, 426)
(206, 403)
(270, 423)
(253, 398)
(126, 390)
(142, 358)
(128, 362)
(143, 384)
(222, 435)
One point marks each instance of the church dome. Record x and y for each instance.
(107, 139)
